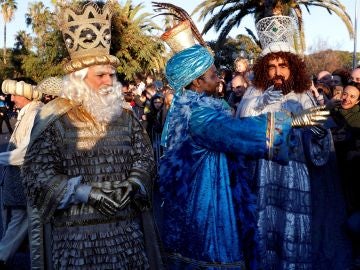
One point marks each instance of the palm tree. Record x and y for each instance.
(38, 17)
(133, 42)
(227, 14)
(8, 8)
(23, 41)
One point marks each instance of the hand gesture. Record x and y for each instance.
(270, 96)
(101, 200)
(128, 189)
(311, 117)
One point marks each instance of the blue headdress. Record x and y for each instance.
(187, 65)
(181, 70)
(189, 62)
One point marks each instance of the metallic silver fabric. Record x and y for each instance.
(284, 223)
(104, 155)
(284, 192)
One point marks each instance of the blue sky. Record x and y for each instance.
(320, 26)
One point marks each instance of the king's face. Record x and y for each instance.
(100, 76)
(278, 68)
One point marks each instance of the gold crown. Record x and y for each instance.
(87, 35)
(180, 37)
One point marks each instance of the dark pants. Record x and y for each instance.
(353, 225)
(4, 117)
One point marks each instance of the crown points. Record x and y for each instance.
(87, 34)
(86, 31)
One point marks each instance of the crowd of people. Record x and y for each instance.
(250, 168)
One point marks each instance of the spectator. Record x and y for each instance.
(149, 79)
(168, 98)
(355, 75)
(155, 124)
(226, 76)
(238, 87)
(325, 84)
(139, 83)
(128, 94)
(4, 114)
(150, 91)
(166, 89)
(241, 65)
(340, 78)
(347, 145)
(139, 107)
(221, 88)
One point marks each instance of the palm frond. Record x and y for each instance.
(253, 37)
(337, 8)
(218, 20)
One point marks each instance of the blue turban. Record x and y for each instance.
(181, 70)
(187, 65)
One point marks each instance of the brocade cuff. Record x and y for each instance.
(277, 132)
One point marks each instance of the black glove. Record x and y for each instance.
(101, 200)
(128, 190)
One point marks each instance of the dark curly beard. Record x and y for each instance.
(285, 86)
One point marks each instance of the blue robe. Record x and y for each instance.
(208, 211)
(296, 230)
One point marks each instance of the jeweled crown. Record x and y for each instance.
(276, 34)
(87, 33)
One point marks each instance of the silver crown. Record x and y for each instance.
(276, 34)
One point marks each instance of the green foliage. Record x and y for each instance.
(49, 51)
(8, 8)
(232, 48)
(136, 50)
(6, 70)
(43, 54)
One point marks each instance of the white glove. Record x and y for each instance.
(270, 96)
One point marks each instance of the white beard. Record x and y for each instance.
(104, 105)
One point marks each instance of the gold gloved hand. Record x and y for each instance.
(311, 117)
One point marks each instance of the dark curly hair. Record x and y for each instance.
(344, 74)
(354, 84)
(299, 78)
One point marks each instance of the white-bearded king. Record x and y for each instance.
(89, 165)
